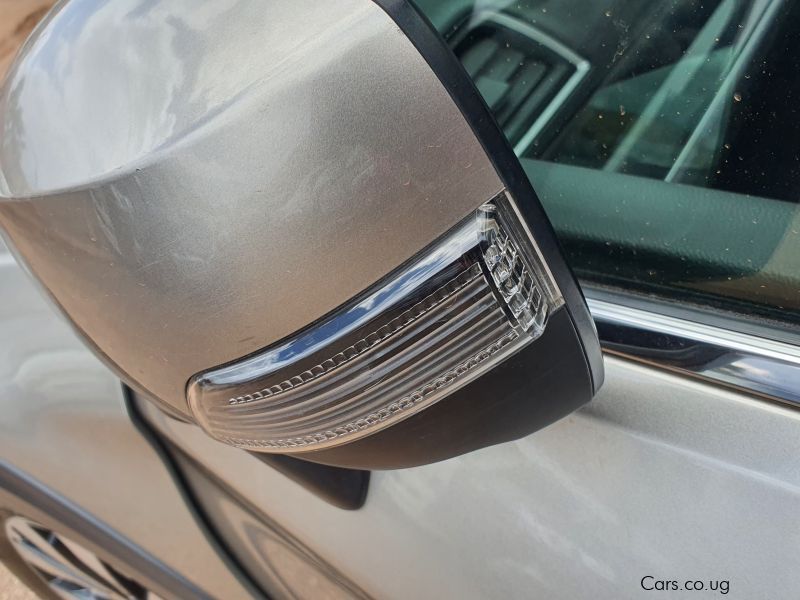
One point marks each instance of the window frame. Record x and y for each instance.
(758, 358)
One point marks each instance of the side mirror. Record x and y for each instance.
(296, 224)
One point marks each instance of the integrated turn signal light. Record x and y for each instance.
(477, 296)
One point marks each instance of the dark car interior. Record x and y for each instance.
(637, 123)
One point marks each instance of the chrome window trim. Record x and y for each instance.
(767, 368)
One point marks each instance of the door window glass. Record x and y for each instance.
(662, 137)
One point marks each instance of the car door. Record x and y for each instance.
(659, 140)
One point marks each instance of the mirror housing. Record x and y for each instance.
(227, 201)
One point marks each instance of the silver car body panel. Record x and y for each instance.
(63, 421)
(659, 476)
(201, 157)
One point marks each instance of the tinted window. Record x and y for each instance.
(662, 137)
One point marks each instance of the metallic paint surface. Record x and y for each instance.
(63, 421)
(234, 172)
(659, 475)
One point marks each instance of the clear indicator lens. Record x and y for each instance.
(471, 301)
(511, 272)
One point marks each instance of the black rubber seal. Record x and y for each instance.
(165, 452)
(342, 487)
